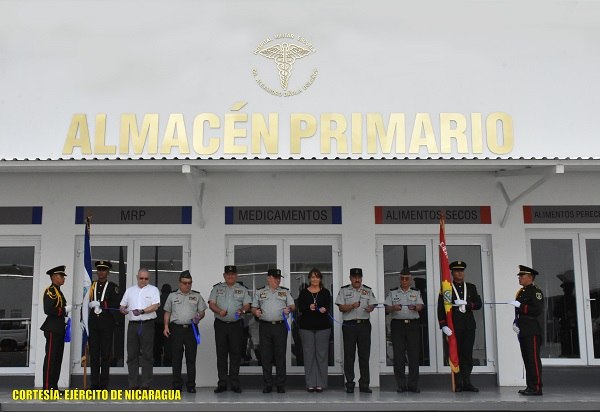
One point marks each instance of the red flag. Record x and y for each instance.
(447, 294)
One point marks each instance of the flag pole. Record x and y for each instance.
(84, 364)
(87, 263)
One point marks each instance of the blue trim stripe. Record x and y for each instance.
(79, 215)
(229, 215)
(186, 215)
(36, 215)
(336, 215)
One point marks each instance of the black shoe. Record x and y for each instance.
(532, 392)
(402, 389)
(236, 389)
(267, 389)
(414, 389)
(469, 388)
(220, 389)
(310, 389)
(523, 390)
(191, 389)
(280, 389)
(349, 389)
(318, 389)
(365, 389)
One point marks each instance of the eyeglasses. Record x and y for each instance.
(186, 283)
(143, 278)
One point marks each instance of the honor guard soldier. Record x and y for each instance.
(229, 301)
(271, 305)
(104, 300)
(529, 306)
(183, 308)
(56, 309)
(466, 300)
(356, 302)
(404, 304)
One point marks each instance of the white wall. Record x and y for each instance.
(357, 193)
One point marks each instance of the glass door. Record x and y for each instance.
(164, 257)
(421, 255)
(591, 301)
(295, 256)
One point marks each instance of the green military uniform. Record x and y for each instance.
(272, 331)
(229, 329)
(183, 308)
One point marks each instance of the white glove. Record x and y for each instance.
(447, 331)
(97, 310)
(516, 328)
(515, 303)
(68, 309)
(459, 302)
(94, 304)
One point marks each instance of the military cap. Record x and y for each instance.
(524, 270)
(276, 273)
(405, 272)
(230, 268)
(356, 272)
(458, 265)
(60, 270)
(185, 275)
(103, 264)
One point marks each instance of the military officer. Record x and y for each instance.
(104, 297)
(271, 305)
(229, 301)
(529, 305)
(356, 302)
(56, 309)
(466, 300)
(404, 304)
(182, 308)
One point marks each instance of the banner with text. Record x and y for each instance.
(417, 215)
(561, 214)
(21, 215)
(283, 215)
(135, 215)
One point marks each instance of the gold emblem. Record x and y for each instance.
(284, 54)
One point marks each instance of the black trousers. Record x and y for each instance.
(55, 345)
(100, 341)
(273, 342)
(530, 351)
(356, 335)
(465, 339)
(183, 339)
(228, 338)
(406, 340)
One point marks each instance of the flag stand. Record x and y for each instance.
(84, 364)
(453, 381)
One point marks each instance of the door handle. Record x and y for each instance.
(590, 299)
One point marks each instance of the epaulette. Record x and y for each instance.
(346, 286)
(283, 287)
(365, 286)
(414, 288)
(264, 287)
(396, 288)
(216, 284)
(239, 282)
(195, 291)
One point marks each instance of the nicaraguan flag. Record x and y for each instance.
(86, 275)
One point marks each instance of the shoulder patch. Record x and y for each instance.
(538, 295)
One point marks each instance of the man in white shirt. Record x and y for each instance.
(139, 303)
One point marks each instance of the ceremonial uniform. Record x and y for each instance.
(272, 331)
(182, 308)
(356, 332)
(229, 329)
(55, 307)
(101, 323)
(464, 325)
(527, 320)
(406, 335)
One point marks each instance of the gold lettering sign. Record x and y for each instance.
(238, 133)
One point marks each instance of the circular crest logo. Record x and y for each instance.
(282, 65)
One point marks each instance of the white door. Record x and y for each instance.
(569, 266)
(165, 257)
(295, 256)
(421, 255)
